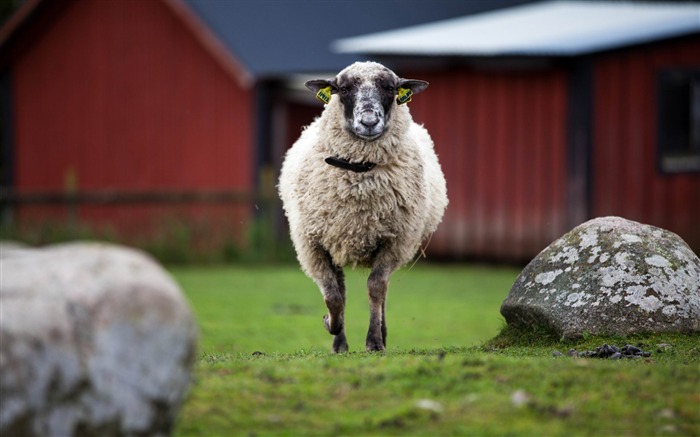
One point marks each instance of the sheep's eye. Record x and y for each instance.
(344, 90)
(390, 89)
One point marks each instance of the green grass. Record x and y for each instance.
(279, 310)
(264, 366)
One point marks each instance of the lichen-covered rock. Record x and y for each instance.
(96, 339)
(609, 276)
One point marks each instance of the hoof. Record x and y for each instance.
(374, 345)
(340, 344)
(333, 329)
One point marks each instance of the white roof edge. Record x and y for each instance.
(560, 28)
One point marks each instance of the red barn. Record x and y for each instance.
(547, 115)
(121, 98)
(128, 113)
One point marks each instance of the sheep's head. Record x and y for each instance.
(368, 91)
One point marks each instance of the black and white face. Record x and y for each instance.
(367, 95)
(367, 91)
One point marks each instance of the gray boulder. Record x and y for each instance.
(609, 276)
(96, 339)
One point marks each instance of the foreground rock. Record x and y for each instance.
(96, 339)
(609, 276)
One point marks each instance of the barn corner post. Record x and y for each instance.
(578, 141)
(268, 130)
(6, 150)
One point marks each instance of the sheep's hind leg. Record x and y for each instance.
(333, 289)
(377, 287)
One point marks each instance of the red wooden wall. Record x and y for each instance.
(626, 180)
(119, 95)
(501, 140)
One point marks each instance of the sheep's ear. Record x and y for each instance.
(323, 88)
(317, 84)
(409, 87)
(414, 85)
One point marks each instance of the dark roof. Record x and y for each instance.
(263, 39)
(275, 38)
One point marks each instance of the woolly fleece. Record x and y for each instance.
(357, 217)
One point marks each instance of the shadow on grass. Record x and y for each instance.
(515, 341)
(518, 337)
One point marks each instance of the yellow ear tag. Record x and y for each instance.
(324, 94)
(404, 96)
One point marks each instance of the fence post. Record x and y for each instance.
(70, 184)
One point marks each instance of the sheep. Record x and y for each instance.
(362, 186)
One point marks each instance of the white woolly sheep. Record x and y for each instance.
(361, 186)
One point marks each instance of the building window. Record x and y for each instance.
(679, 120)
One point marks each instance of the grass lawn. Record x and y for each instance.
(280, 310)
(264, 366)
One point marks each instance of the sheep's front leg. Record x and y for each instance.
(331, 281)
(377, 287)
(334, 296)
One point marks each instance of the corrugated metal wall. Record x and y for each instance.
(118, 95)
(626, 179)
(501, 139)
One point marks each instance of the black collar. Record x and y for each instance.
(357, 167)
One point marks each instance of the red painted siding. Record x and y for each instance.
(120, 94)
(626, 180)
(501, 140)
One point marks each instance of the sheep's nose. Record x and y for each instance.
(369, 119)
